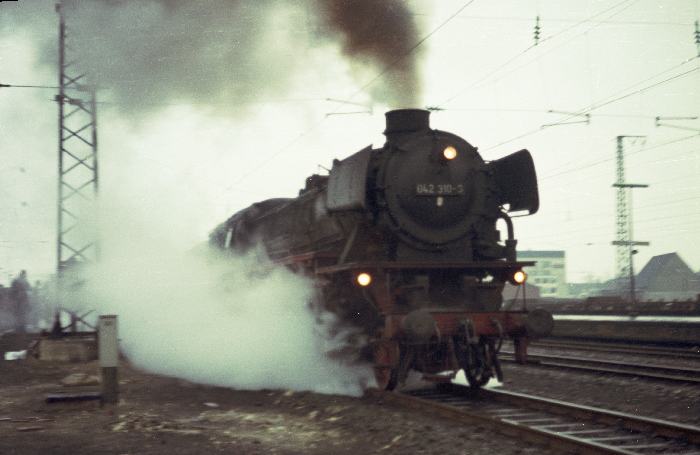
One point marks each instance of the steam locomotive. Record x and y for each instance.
(402, 244)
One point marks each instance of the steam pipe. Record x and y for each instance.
(509, 223)
(510, 242)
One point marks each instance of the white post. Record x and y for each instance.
(109, 358)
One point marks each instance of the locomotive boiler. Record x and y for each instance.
(403, 243)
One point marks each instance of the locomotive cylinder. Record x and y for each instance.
(419, 326)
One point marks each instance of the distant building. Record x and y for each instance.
(664, 277)
(549, 272)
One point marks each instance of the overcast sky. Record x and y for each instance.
(178, 163)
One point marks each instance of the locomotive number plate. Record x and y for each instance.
(439, 189)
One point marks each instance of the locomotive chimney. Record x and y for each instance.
(405, 121)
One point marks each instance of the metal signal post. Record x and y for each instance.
(77, 159)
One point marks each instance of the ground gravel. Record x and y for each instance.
(160, 415)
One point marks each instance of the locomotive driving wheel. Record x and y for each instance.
(474, 355)
(476, 365)
(386, 355)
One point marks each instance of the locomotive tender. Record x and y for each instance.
(402, 243)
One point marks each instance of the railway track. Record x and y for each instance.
(562, 426)
(688, 353)
(651, 371)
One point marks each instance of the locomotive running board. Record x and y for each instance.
(493, 265)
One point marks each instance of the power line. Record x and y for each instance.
(534, 110)
(598, 227)
(590, 19)
(549, 19)
(597, 106)
(605, 160)
(608, 100)
(207, 103)
(567, 196)
(515, 57)
(596, 24)
(644, 89)
(597, 213)
(54, 87)
(565, 202)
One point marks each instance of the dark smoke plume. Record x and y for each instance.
(382, 34)
(227, 54)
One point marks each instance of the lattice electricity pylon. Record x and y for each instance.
(77, 159)
(624, 243)
(621, 251)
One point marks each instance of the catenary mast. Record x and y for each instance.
(77, 240)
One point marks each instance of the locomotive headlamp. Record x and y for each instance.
(519, 277)
(364, 279)
(449, 153)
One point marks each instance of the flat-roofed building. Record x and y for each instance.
(549, 272)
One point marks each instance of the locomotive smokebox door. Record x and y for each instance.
(347, 183)
(517, 181)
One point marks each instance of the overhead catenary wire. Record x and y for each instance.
(528, 19)
(605, 160)
(655, 209)
(589, 178)
(610, 226)
(662, 186)
(585, 215)
(565, 42)
(524, 111)
(53, 87)
(188, 103)
(600, 236)
(597, 239)
(582, 215)
(610, 99)
(526, 50)
(667, 189)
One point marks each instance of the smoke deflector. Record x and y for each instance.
(517, 182)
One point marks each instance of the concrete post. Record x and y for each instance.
(109, 358)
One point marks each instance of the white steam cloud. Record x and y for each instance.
(238, 322)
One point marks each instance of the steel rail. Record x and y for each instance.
(663, 372)
(557, 424)
(613, 348)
